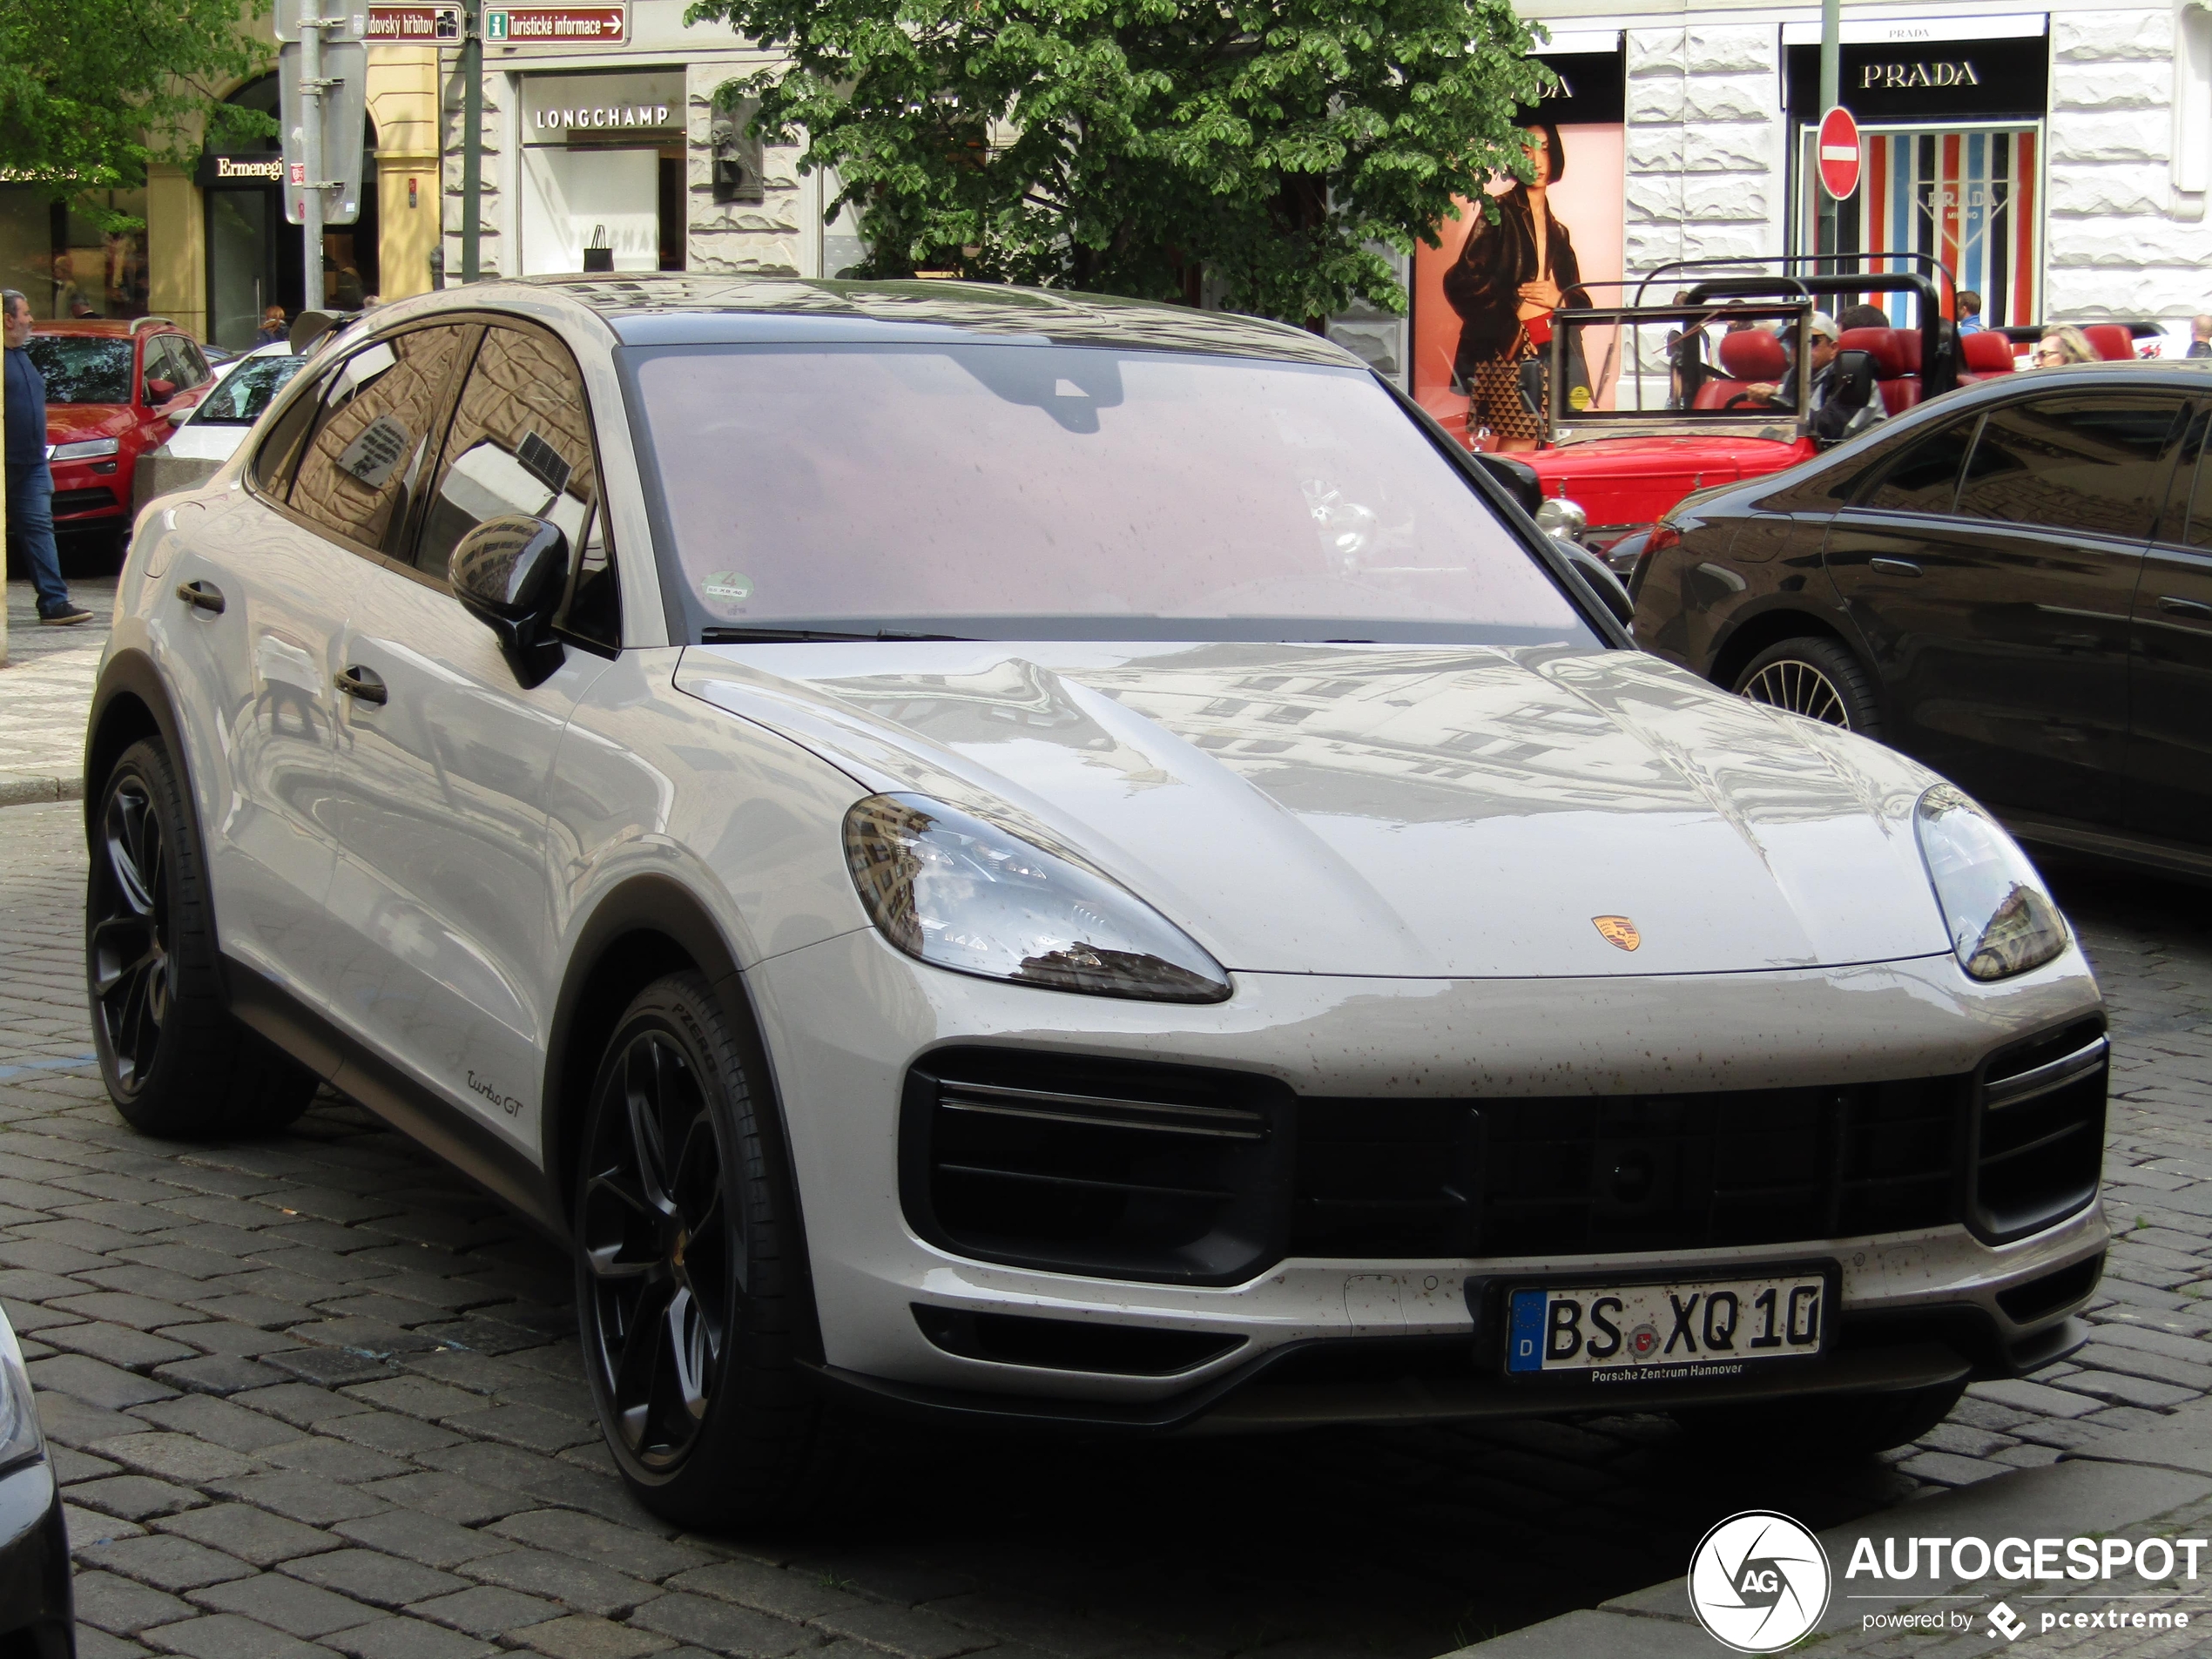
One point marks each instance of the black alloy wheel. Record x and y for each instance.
(175, 1060)
(664, 1248)
(688, 1274)
(1816, 677)
(131, 973)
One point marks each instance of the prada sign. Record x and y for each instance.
(603, 109)
(1905, 75)
(1925, 80)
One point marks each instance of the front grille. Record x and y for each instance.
(2039, 1139)
(1138, 1171)
(1126, 1169)
(69, 504)
(2025, 1304)
(1383, 1179)
(1071, 1345)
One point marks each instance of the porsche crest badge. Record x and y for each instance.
(1618, 930)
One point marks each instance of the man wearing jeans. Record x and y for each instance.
(30, 485)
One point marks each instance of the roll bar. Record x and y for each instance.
(1939, 343)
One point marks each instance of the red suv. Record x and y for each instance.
(112, 386)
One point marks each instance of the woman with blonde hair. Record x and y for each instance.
(2063, 343)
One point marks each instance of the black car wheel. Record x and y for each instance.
(1816, 677)
(175, 1060)
(683, 1250)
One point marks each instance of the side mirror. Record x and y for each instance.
(1854, 379)
(508, 574)
(1594, 571)
(161, 391)
(1518, 477)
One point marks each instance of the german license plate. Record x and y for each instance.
(1652, 1331)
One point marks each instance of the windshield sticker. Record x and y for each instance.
(375, 452)
(726, 589)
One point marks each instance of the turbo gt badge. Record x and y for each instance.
(1618, 930)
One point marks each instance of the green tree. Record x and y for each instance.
(93, 90)
(1123, 147)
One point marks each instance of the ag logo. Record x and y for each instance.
(1758, 1582)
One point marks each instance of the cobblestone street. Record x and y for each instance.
(314, 1394)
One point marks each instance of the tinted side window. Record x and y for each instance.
(2188, 520)
(521, 443)
(2092, 461)
(279, 448)
(159, 362)
(1925, 475)
(363, 464)
(193, 365)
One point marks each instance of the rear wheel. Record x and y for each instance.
(683, 1249)
(1828, 1427)
(175, 1060)
(1816, 677)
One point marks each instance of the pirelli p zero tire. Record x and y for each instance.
(175, 1060)
(686, 1291)
(1816, 677)
(1828, 1427)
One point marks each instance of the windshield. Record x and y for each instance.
(82, 368)
(239, 398)
(1041, 491)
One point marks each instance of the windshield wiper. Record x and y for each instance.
(795, 636)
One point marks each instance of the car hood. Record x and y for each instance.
(1415, 810)
(72, 422)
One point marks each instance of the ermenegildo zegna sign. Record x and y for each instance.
(595, 109)
(1930, 79)
(249, 169)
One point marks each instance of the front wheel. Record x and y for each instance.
(176, 1062)
(684, 1252)
(1828, 1427)
(1816, 677)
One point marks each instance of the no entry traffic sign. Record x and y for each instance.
(1839, 153)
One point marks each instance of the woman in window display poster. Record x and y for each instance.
(1509, 278)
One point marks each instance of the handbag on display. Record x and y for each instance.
(598, 255)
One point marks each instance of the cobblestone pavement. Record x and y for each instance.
(45, 688)
(314, 1393)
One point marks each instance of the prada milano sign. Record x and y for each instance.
(637, 106)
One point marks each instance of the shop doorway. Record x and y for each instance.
(254, 258)
(1970, 196)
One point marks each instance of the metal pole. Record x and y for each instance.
(311, 90)
(472, 135)
(1832, 36)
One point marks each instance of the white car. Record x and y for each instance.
(999, 856)
(209, 433)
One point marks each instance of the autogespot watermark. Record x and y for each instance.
(1758, 1582)
(2155, 1577)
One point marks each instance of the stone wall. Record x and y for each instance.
(1705, 145)
(495, 237)
(2119, 240)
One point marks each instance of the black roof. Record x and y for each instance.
(673, 307)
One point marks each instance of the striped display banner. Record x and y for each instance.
(1969, 197)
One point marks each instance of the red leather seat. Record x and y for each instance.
(2110, 341)
(1747, 355)
(1897, 374)
(1984, 354)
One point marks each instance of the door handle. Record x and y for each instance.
(363, 683)
(1893, 567)
(202, 596)
(2173, 606)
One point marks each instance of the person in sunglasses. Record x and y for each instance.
(2062, 343)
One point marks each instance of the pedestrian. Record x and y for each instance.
(273, 328)
(2200, 336)
(2062, 343)
(1862, 316)
(1969, 311)
(30, 485)
(1833, 417)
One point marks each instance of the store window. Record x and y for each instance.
(602, 172)
(1951, 162)
(66, 261)
(255, 256)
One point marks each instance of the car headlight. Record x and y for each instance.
(2002, 921)
(1563, 518)
(85, 448)
(964, 894)
(20, 1440)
